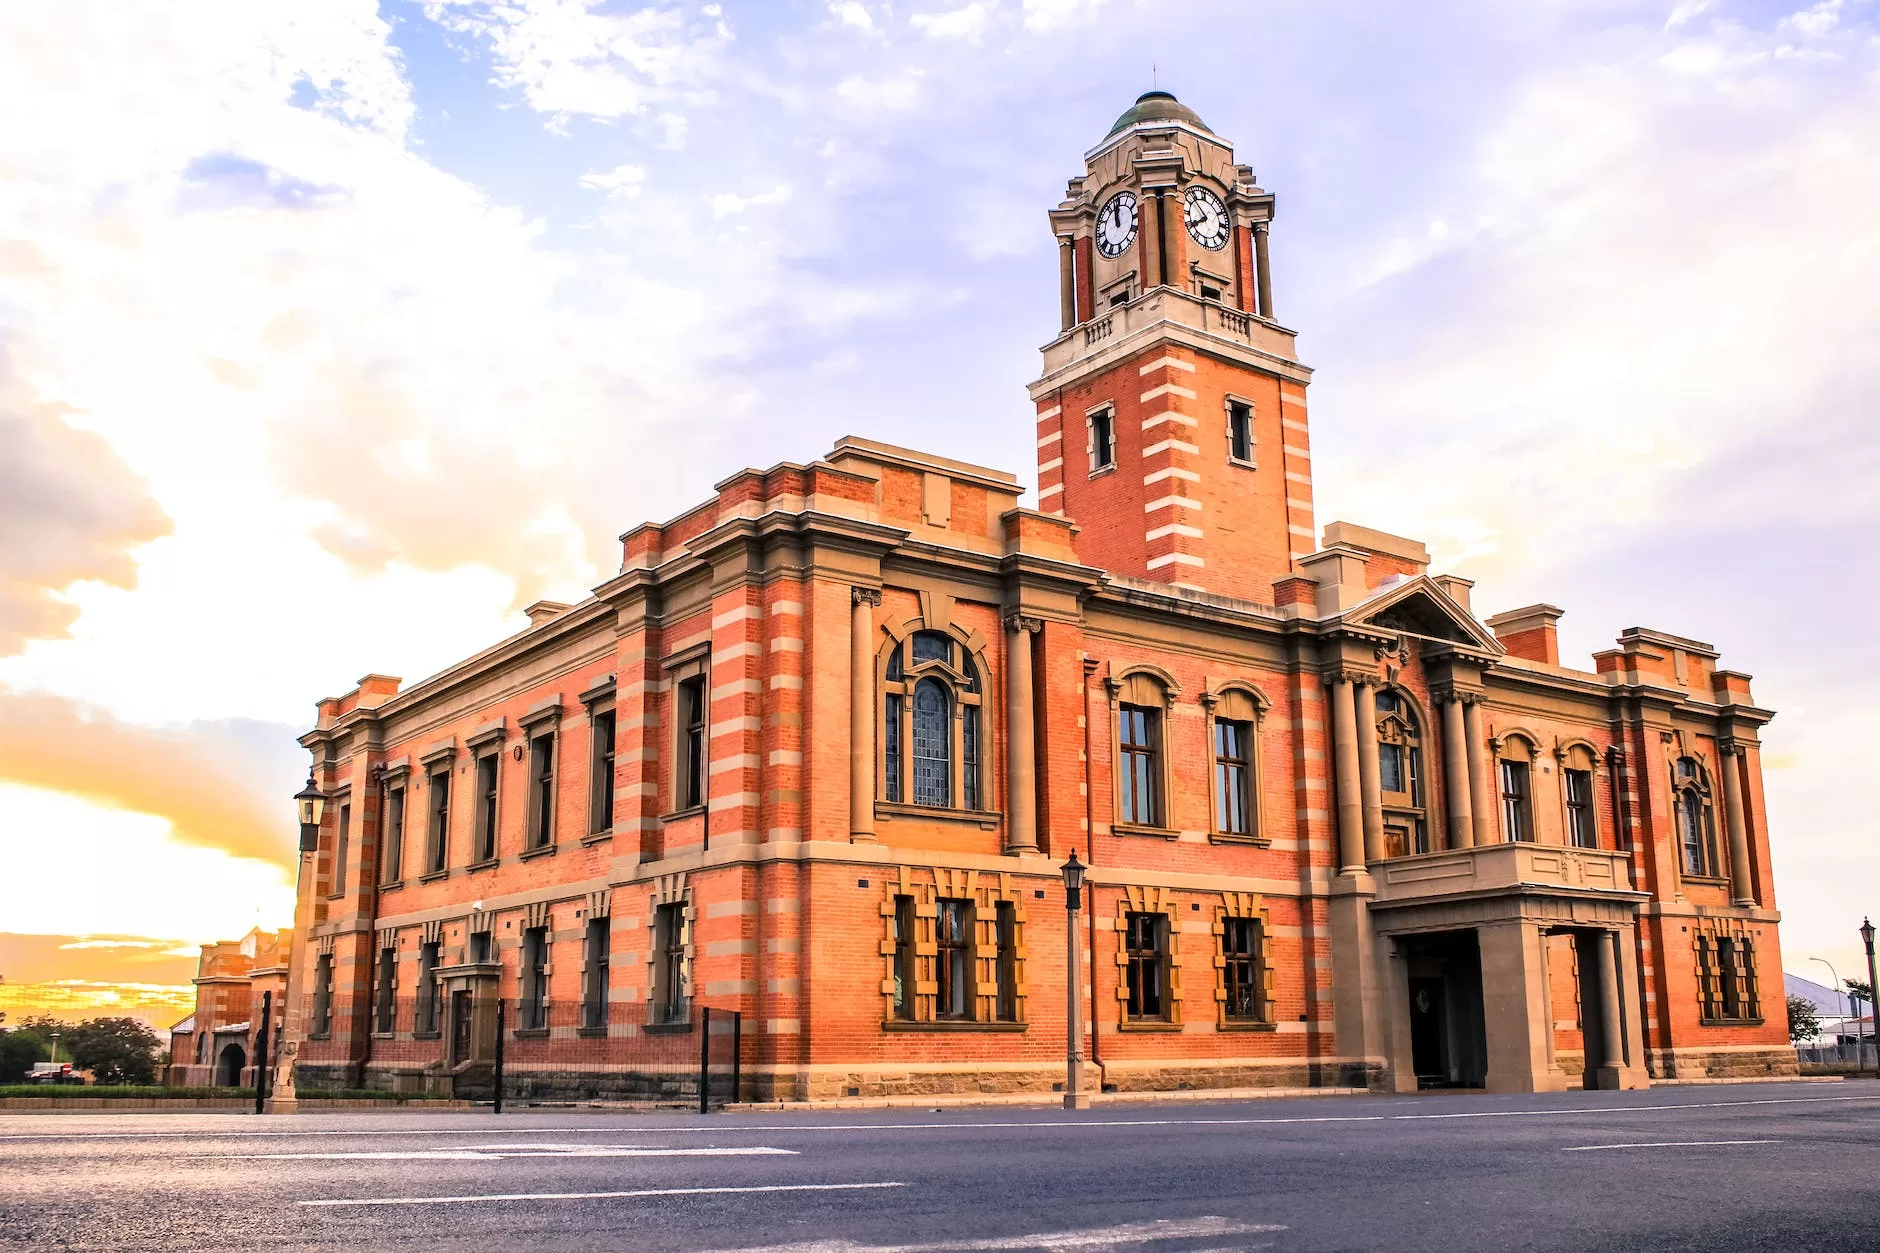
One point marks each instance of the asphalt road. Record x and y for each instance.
(1776, 1166)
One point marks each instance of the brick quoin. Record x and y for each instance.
(1179, 580)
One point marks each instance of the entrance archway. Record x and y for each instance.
(229, 1066)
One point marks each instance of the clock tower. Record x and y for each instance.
(1171, 411)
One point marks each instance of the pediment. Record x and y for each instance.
(1419, 607)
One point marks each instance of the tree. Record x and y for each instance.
(18, 1051)
(1859, 990)
(115, 1050)
(1804, 1021)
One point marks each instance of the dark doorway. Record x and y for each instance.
(1448, 1037)
(1428, 1020)
(459, 1027)
(229, 1065)
(1589, 958)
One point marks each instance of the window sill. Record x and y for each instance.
(530, 854)
(591, 1033)
(335, 896)
(1709, 880)
(596, 837)
(427, 1035)
(1729, 1022)
(1245, 1024)
(902, 1024)
(1242, 463)
(985, 819)
(530, 1033)
(1150, 1025)
(393, 886)
(1138, 828)
(677, 815)
(434, 875)
(1100, 471)
(667, 1028)
(1256, 841)
(319, 1035)
(385, 1035)
(487, 864)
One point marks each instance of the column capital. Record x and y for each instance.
(1023, 622)
(1451, 693)
(1348, 672)
(865, 596)
(1730, 746)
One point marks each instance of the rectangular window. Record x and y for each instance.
(340, 849)
(891, 750)
(669, 963)
(480, 947)
(427, 987)
(1709, 1002)
(1231, 791)
(489, 767)
(323, 994)
(1729, 995)
(1145, 952)
(1102, 439)
(594, 983)
(953, 935)
(969, 755)
(542, 791)
(532, 1014)
(1139, 735)
(386, 1017)
(1516, 818)
(1391, 775)
(691, 790)
(392, 859)
(1240, 431)
(1580, 831)
(601, 774)
(440, 821)
(1209, 292)
(1243, 969)
(1005, 923)
(904, 958)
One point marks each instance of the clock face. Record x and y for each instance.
(1116, 225)
(1206, 218)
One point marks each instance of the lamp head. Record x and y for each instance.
(1073, 872)
(311, 802)
(1866, 933)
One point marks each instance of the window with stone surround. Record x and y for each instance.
(1142, 698)
(323, 995)
(1100, 438)
(1005, 922)
(1239, 431)
(689, 793)
(1243, 974)
(532, 1012)
(932, 722)
(488, 773)
(1696, 820)
(1235, 710)
(385, 1007)
(1726, 979)
(1578, 788)
(594, 974)
(902, 966)
(1514, 768)
(1400, 775)
(439, 842)
(601, 772)
(541, 790)
(953, 937)
(669, 942)
(429, 993)
(392, 856)
(341, 840)
(1145, 946)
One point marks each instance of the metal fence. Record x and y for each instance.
(523, 1052)
(1848, 1054)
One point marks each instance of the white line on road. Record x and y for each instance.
(493, 1152)
(1662, 1144)
(772, 1127)
(1118, 1236)
(599, 1196)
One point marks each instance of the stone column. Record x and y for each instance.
(1481, 795)
(1611, 1041)
(1368, 767)
(1262, 277)
(1021, 775)
(1516, 1010)
(1067, 283)
(1350, 796)
(863, 601)
(1727, 759)
(1456, 789)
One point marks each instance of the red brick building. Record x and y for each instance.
(217, 1045)
(816, 752)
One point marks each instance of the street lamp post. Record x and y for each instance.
(1873, 987)
(1840, 991)
(310, 801)
(1074, 1096)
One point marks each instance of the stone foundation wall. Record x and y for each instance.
(1770, 1063)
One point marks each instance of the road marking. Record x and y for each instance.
(771, 1126)
(1118, 1236)
(600, 1196)
(495, 1152)
(1662, 1144)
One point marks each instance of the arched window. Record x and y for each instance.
(932, 735)
(1697, 836)
(1400, 776)
(1141, 699)
(1514, 768)
(1578, 766)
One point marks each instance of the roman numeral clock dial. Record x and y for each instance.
(1206, 218)
(1116, 224)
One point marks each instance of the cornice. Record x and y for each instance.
(1134, 342)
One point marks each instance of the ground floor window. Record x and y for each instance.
(953, 937)
(1145, 942)
(1243, 969)
(1726, 979)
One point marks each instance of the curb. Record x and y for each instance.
(1037, 1100)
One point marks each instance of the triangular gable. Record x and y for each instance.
(1417, 606)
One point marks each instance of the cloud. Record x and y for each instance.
(622, 182)
(967, 22)
(70, 510)
(220, 785)
(852, 13)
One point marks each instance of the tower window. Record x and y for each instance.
(1102, 445)
(1240, 431)
(1209, 292)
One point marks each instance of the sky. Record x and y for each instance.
(334, 333)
